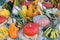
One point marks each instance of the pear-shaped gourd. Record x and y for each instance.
(24, 10)
(13, 31)
(30, 11)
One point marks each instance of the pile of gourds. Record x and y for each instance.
(29, 16)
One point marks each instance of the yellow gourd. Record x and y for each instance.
(13, 31)
(5, 13)
(3, 32)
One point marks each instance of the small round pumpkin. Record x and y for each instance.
(58, 5)
(30, 29)
(41, 20)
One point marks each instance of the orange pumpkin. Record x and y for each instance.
(13, 31)
(58, 5)
(30, 29)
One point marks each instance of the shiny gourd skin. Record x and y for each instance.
(30, 29)
(30, 11)
(5, 13)
(13, 31)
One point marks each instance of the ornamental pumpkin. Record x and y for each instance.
(48, 5)
(13, 31)
(58, 5)
(41, 20)
(30, 30)
(2, 20)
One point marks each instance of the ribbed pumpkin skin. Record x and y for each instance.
(41, 20)
(30, 29)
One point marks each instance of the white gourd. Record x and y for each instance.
(15, 10)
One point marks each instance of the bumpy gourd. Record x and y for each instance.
(3, 32)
